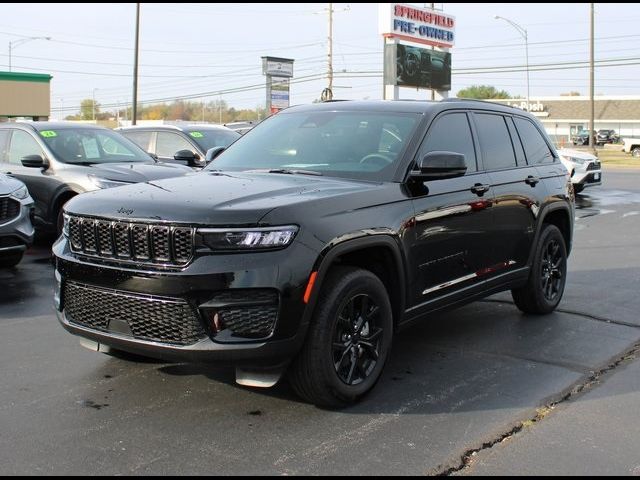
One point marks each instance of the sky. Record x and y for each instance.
(205, 50)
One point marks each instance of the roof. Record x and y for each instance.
(399, 106)
(183, 128)
(25, 77)
(39, 126)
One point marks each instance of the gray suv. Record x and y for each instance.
(58, 160)
(16, 231)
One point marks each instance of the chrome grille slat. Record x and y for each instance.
(131, 242)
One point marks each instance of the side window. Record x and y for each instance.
(495, 141)
(4, 144)
(451, 133)
(517, 144)
(167, 144)
(535, 147)
(22, 144)
(142, 139)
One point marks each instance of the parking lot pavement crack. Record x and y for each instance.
(580, 387)
(572, 312)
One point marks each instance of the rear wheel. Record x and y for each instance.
(548, 275)
(348, 340)
(8, 261)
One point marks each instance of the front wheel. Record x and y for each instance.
(578, 187)
(548, 275)
(636, 152)
(348, 340)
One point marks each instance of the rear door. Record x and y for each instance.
(517, 188)
(452, 217)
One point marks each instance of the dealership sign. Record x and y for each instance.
(281, 67)
(419, 25)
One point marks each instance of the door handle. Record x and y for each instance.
(531, 180)
(480, 189)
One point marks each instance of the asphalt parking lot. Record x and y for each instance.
(482, 389)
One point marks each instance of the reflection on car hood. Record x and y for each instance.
(8, 184)
(134, 172)
(216, 198)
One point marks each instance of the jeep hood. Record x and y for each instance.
(213, 198)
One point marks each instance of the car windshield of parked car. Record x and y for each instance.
(359, 145)
(85, 146)
(207, 139)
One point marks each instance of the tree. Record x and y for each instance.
(482, 92)
(87, 109)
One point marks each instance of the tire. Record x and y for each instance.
(9, 261)
(636, 152)
(578, 188)
(344, 355)
(545, 286)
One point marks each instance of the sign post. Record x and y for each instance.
(406, 64)
(278, 71)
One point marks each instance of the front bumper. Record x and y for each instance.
(589, 178)
(16, 235)
(198, 285)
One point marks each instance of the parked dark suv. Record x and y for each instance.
(316, 236)
(192, 145)
(58, 160)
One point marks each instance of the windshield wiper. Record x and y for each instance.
(286, 171)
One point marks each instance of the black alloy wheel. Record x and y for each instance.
(544, 288)
(356, 339)
(348, 340)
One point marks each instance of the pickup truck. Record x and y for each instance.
(632, 146)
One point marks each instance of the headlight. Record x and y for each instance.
(217, 239)
(105, 182)
(65, 225)
(21, 193)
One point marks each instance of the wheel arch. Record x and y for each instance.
(559, 215)
(379, 254)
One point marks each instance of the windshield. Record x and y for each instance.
(360, 145)
(88, 146)
(207, 139)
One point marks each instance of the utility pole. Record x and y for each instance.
(433, 92)
(330, 54)
(134, 115)
(591, 86)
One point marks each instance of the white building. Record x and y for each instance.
(565, 116)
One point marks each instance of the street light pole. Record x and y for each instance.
(522, 31)
(134, 115)
(22, 41)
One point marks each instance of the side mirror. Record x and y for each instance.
(213, 153)
(190, 158)
(440, 165)
(34, 161)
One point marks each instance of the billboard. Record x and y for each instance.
(417, 67)
(279, 92)
(281, 67)
(419, 25)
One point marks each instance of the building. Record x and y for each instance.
(25, 95)
(565, 116)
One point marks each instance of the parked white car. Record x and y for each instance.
(584, 168)
(632, 146)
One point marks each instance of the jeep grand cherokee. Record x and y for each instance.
(314, 238)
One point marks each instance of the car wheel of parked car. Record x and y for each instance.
(548, 275)
(12, 260)
(348, 340)
(636, 152)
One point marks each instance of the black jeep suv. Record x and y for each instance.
(316, 236)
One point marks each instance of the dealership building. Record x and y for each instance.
(565, 116)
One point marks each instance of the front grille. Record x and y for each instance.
(9, 209)
(131, 242)
(594, 166)
(247, 313)
(158, 319)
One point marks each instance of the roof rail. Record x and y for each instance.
(481, 101)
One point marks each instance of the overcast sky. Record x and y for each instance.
(202, 48)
